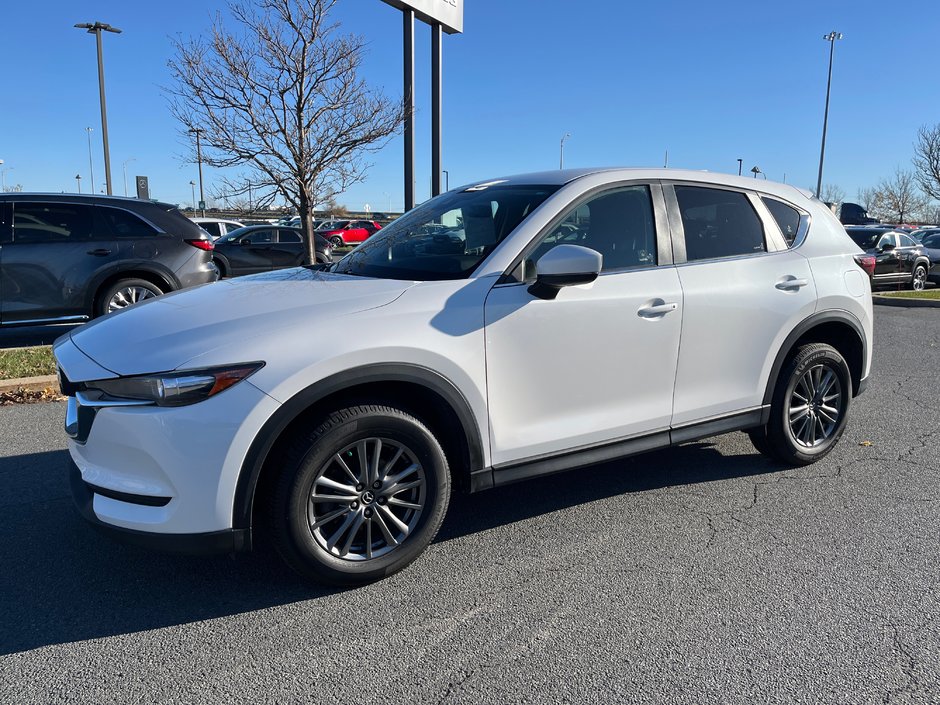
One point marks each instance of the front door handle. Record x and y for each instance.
(791, 284)
(656, 310)
(100, 252)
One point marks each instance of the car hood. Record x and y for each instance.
(163, 334)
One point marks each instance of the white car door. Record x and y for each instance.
(596, 364)
(743, 292)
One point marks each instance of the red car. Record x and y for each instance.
(349, 232)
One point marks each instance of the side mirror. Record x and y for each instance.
(887, 247)
(245, 241)
(565, 265)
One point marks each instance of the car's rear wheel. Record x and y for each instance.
(126, 292)
(337, 241)
(360, 496)
(220, 265)
(809, 407)
(919, 278)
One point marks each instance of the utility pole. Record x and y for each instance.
(831, 38)
(97, 28)
(202, 197)
(91, 165)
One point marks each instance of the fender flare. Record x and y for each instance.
(264, 440)
(833, 316)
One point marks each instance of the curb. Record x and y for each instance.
(32, 384)
(904, 302)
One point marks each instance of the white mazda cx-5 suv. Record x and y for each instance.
(504, 330)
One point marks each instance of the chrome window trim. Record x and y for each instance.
(99, 401)
(805, 220)
(50, 321)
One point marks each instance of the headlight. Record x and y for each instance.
(176, 388)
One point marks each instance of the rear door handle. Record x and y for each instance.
(656, 310)
(101, 252)
(791, 284)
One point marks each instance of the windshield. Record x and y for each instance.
(446, 237)
(867, 239)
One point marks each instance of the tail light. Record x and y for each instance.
(201, 245)
(866, 262)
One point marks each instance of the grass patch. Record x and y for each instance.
(931, 294)
(26, 362)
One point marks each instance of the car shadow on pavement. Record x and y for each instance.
(62, 581)
(687, 464)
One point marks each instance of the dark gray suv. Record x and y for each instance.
(70, 258)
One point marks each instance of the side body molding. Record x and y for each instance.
(369, 374)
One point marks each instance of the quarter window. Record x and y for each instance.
(618, 224)
(287, 236)
(787, 217)
(124, 224)
(55, 222)
(906, 241)
(718, 223)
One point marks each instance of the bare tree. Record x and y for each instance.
(927, 160)
(281, 98)
(832, 194)
(895, 200)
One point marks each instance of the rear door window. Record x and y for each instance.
(51, 222)
(718, 223)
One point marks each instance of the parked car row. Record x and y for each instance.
(898, 258)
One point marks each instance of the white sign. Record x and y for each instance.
(367, 208)
(447, 13)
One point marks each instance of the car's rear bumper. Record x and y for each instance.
(226, 541)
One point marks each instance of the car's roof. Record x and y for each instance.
(560, 177)
(215, 220)
(81, 198)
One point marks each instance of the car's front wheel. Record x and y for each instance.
(337, 241)
(124, 293)
(360, 496)
(809, 407)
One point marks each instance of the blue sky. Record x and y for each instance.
(710, 82)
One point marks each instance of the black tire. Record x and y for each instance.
(307, 461)
(919, 278)
(791, 446)
(103, 304)
(760, 441)
(223, 270)
(337, 241)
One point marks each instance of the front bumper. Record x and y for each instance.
(225, 541)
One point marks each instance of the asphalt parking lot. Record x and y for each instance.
(699, 574)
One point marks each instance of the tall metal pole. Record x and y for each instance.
(78, 180)
(104, 118)
(202, 197)
(561, 155)
(831, 38)
(740, 165)
(437, 32)
(408, 37)
(124, 166)
(97, 28)
(446, 179)
(91, 167)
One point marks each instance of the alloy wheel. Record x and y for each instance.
(366, 499)
(128, 296)
(815, 406)
(920, 279)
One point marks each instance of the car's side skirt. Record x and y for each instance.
(622, 448)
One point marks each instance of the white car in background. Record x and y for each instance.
(501, 331)
(217, 227)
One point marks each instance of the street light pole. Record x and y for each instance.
(755, 170)
(91, 167)
(740, 164)
(561, 158)
(126, 162)
(78, 180)
(202, 197)
(97, 28)
(831, 38)
(192, 185)
(446, 179)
